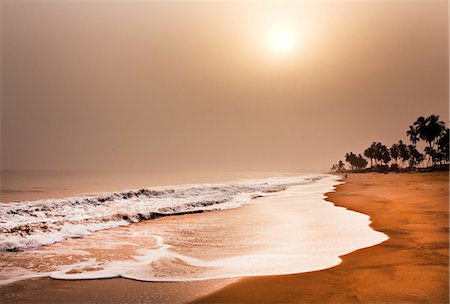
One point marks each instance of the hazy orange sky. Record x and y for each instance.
(145, 85)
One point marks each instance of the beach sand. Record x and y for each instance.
(412, 266)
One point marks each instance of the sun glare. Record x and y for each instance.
(282, 43)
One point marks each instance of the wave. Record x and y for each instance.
(28, 224)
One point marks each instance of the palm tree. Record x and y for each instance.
(370, 153)
(403, 151)
(412, 134)
(378, 152)
(443, 145)
(435, 127)
(394, 153)
(386, 157)
(415, 157)
(382, 154)
(431, 152)
(338, 167)
(355, 161)
(349, 157)
(419, 127)
(341, 166)
(361, 162)
(428, 129)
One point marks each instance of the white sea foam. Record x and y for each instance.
(34, 223)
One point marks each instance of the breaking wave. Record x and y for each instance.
(35, 223)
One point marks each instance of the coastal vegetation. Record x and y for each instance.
(430, 133)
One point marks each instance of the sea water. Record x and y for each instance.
(250, 227)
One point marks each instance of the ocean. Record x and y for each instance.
(150, 230)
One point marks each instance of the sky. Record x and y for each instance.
(220, 86)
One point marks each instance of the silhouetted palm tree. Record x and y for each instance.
(419, 127)
(361, 162)
(341, 166)
(349, 158)
(443, 146)
(386, 157)
(355, 161)
(370, 153)
(431, 152)
(381, 154)
(403, 152)
(378, 153)
(415, 157)
(428, 129)
(412, 134)
(434, 129)
(394, 153)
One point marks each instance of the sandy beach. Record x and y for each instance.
(412, 266)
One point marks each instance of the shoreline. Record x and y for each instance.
(411, 266)
(253, 226)
(362, 276)
(28, 224)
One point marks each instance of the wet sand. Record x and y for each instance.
(412, 266)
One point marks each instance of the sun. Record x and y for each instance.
(284, 41)
(281, 43)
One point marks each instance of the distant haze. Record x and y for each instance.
(163, 86)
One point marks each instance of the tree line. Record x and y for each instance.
(401, 156)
